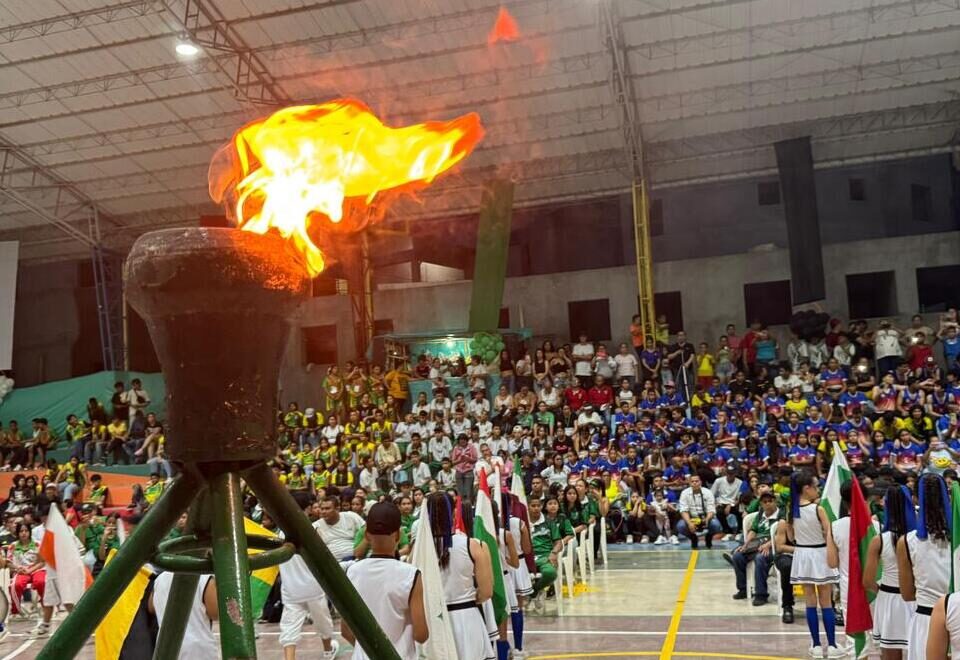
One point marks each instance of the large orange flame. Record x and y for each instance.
(334, 164)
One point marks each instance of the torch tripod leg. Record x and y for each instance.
(110, 584)
(182, 591)
(231, 568)
(281, 506)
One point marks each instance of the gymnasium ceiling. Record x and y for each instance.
(97, 110)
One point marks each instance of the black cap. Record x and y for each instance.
(383, 518)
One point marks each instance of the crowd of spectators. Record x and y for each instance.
(655, 441)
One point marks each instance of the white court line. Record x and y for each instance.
(619, 633)
(20, 649)
(647, 633)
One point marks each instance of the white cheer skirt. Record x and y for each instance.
(470, 635)
(521, 579)
(810, 567)
(919, 631)
(892, 619)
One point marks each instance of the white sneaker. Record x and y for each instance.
(540, 602)
(41, 630)
(660, 540)
(816, 651)
(644, 539)
(727, 537)
(674, 540)
(332, 653)
(519, 655)
(630, 539)
(4, 633)
(834, 652)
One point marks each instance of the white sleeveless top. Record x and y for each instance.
(458, 576)
(931, 568)
(515, 532)
(953, 620)
(199, 642)
(888, 560)
(384, 584)
(807, 529)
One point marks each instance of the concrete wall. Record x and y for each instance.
(47, 322)
(725, 218)
(711, 290)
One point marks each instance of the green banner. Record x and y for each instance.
(493, 249)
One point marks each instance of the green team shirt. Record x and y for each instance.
(543, 536)
(761, 525)
(293, 419)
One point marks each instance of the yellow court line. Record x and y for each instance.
(666, 651)
(679, 654)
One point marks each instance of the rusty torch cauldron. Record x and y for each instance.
(217, 303)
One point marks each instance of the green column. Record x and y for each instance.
(231, 568)
(493, 249)
(183, 590)
(110, 584)
(281, 506)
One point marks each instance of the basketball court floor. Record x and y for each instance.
(649, 602)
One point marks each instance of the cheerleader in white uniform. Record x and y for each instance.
(892, 615)
(522, 582)
(509, 561)
(923, 559)
(811, 529)
(467, 580)
(944, 627)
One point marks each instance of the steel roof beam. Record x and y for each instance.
(80, 19)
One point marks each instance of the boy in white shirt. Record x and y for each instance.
(419, 471)
(446, 477)
(583, 360)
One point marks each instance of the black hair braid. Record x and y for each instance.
(935, 509)
(440, 525)
(896, 513)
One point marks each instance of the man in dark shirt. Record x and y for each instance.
(740, 385)
(680, 356)
(121, 407)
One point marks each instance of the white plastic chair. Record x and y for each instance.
(603, 540)
(748, 521)
(582, 553)
(558, 585)
(569, 551)
(590, 541)
(775, 591)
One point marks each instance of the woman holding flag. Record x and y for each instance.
(811, 530)
(467, 579)
(892, 615)
(923, 560)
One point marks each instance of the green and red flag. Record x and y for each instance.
(839, 474)
(954, 536)
(484, 530)
(859, 620)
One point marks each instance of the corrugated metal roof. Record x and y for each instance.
(96, 96)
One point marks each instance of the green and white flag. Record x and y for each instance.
(839, 474)
(484, 530)
(955, 537)
(440, 645)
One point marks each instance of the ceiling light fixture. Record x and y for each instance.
(186, 48)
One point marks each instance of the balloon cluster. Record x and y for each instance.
(809, 324)
(487, 345)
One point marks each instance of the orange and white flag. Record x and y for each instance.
(59, 550)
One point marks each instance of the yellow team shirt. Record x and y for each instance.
(799, 407)
(705, 365)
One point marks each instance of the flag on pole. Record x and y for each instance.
(440, 645)
(858, 618)
(59, 551)
(261, 581)
(483, 530)
(112, 631)
(458, 524)
(516, 484)
(955, 536)
(839, 474)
